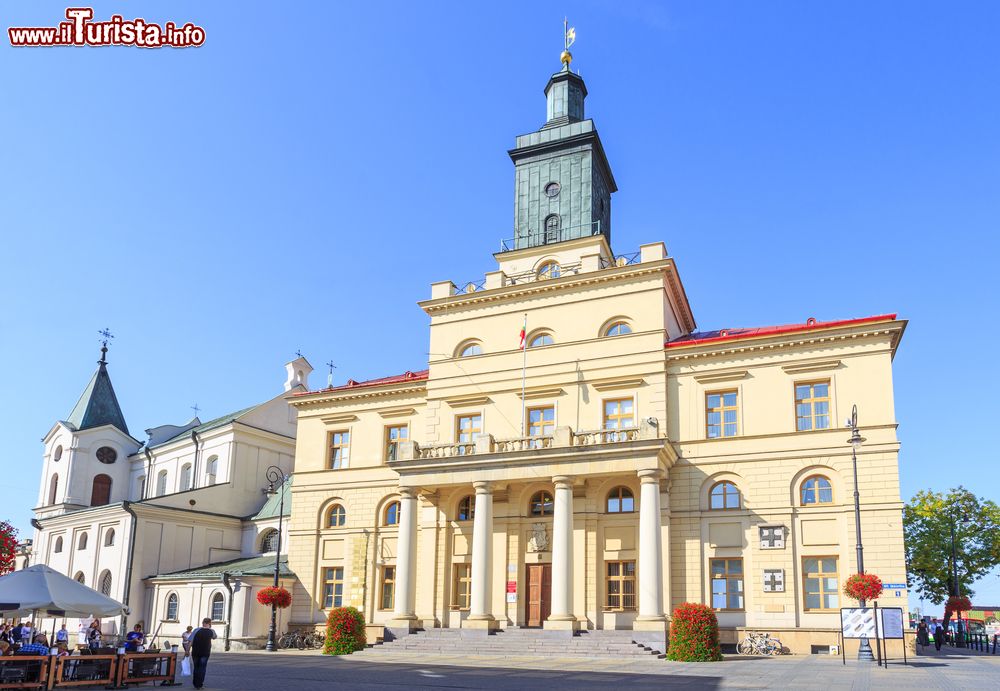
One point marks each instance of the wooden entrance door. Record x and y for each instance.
(539, 593)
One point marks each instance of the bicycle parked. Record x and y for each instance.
(301, 640)
(759, 644)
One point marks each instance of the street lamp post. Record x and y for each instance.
(275, 483)
(959, 632)
(856, 440)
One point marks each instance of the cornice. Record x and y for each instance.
(360, 393)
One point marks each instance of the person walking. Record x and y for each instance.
(201, 649)
(923, 635)
(938, 637)
(186, 641)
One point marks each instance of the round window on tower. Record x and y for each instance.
(552, 190)
(106, 454)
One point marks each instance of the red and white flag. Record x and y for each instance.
(520, 345)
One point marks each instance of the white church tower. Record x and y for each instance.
(85, 462)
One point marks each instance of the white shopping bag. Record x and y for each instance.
(186, 667)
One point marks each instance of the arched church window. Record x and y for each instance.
(140, 487)
(541, 504)
(79, 578)
(57, 455)
(105, 583)
(107, 455)
(211, 470)
(218, 607)
(109, 538)
(185, 477)
(82, 543)
(100, 494)
(172, 602)
(53, 488)
(161, 483)
(59, 545)
(269, 541)
(552, 223)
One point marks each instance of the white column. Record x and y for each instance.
(406, 556)
(562, 552)
(650, 548)
(481, 607)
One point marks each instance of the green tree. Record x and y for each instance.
(927, 524)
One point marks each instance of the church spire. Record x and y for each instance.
(98, 405)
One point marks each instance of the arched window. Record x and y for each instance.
(100, 494)
(724, 495)
(541, 504)
(619, 328)
(59, 545)
(211, 470)
(172, 603)
(82, 542)
(466, 509)
(140, 488)
(543, 338)
(105, 583)
(470, 348)
(185, 476)
(109, 538)
(161, 483)
(552, 223)
(53, 488)
(218, 607)
(391, 515)
(620, 500)
(57, 454)
(107, 455)
(79, 578)
(549, 270)
(269, 541)
(817, 490)
(336, 517)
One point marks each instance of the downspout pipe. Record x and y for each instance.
(149, 473)
(195, 470)
(229, 609)
(127, 505)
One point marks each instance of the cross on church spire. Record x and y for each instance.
(196, 409)
(329, 377)
(106, 336)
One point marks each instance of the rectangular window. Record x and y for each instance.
(340, 449)
(468, 428)
(461, 592)
(727, 584)
(393, 435)
(619, 413)
(820, 584)
(812, 405)
(333, 587)
(541, 423)
(720, 414)
(620, 584)
(387, 599)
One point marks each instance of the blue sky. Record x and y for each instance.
(302, 178)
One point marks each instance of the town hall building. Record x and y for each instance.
(578, 455)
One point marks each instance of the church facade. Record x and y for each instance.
(578, 455)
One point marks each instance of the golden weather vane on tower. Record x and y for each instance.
(569, 38)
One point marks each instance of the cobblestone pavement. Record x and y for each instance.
(295, 671)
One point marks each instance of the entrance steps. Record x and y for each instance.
(516, 642)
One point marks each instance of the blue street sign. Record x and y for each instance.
(894, 586)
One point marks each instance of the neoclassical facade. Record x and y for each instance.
(577, 455)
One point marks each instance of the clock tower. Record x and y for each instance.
(562, 180)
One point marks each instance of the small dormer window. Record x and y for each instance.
(107, 455)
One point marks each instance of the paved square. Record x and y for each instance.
(259, 671)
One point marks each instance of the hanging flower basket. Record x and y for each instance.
(863, 586)
(957, 604)
(279, 597)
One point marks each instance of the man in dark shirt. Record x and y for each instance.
(201, 648)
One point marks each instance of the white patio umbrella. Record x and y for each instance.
(39, 589)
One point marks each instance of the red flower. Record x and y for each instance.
(863, 586)
(279, 597)
(957, 604)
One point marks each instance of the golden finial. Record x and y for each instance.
(569, 38)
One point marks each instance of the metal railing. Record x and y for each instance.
(535, 238)
(470, 287)
(621, 260)
(529, 276)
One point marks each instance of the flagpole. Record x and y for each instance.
(524, 369)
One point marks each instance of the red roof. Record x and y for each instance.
(407, 376)
(702, 337)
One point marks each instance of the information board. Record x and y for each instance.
(857, 622)
(890, 622)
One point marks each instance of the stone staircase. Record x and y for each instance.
(516, 642)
